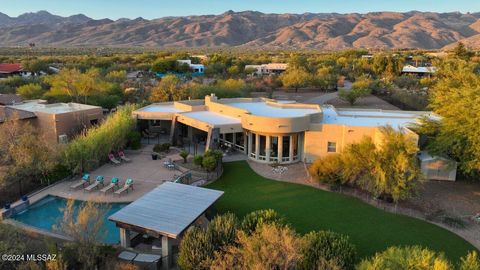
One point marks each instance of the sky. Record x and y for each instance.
(150, 9)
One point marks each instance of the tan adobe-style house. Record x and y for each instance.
(270, 131)
(58, 122)
(267, 69)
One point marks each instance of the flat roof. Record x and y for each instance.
(56, 108)
(213, 118)
(169, 209)
(160, 108)
(370, 118)
(264, 109)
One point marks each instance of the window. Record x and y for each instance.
(332, 147)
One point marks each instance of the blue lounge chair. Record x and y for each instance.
(98, 181)
(114, 183)
(84, 181)
(126, 187)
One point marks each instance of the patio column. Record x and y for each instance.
(280, 149)
(267, 147)
(249, 148)
(124, 238)
(257, 145)
(167, 253)
(290, 150)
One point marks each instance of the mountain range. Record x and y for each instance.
(324, 31)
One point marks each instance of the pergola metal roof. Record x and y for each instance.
(167, 210)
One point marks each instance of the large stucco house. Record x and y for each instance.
(270, 131)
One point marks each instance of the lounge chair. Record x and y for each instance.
(122, 156)
(128, 184)
(113, 160)
(98, 181)
(111, 186)
(84, 181)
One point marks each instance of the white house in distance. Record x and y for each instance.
(196, 68)
(267, 69)
(421, 71)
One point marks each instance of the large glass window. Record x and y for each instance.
(229, 137)
(254, 141)
(286, 147)
(263, 145)
(274, 147)
(295, 145)
(239, 139)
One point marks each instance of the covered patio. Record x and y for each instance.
(162, 215)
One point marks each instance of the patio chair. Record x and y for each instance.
(113, 160)
(128, 185)
(98, 181)
(85, 180)
(122, 156)
(111, 186)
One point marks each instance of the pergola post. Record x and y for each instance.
(257, 146)
(290, 150)
(124, 238)
(167, 253)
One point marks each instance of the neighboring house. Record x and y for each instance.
(267, 69)
(271, 131)
(419, 71)
(7, 70)
(9, 99)
(196, 68)
(58, 122)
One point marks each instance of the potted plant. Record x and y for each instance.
(24, 198)
(154, 156)
(7, 206)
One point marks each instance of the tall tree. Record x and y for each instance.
(455, 97)
(295, 78)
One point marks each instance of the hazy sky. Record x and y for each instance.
(160, 8)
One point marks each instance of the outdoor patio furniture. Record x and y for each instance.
(113, 160)
(111, 186)
(85, 180)
(125, 188)
(122, 156)
(98, 182)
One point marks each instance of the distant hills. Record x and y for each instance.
(325, 31)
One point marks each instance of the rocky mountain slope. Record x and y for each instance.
(327, 31)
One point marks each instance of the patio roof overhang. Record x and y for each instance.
(168, 210)
(205, 120)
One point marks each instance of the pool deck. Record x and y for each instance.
(145, 172)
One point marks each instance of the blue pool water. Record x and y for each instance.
(46, 213)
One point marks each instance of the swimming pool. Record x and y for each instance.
(46, 213)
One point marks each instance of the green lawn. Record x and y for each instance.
(308, 209)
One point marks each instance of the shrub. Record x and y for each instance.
(164, 147)
(327, 170)
(209, 163)
(258, 218)
(328, 247)
(184, 154)
(134, 140)
(195, 248)
(270, 247)
(470, 262)
(222, 230)
(413, 257)
(96, 143)
(198, 161)
(351, 96)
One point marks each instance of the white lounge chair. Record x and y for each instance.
(111, 186)
(122, 156)
(128, 185)
(98, 182)
(113, 160)
(84, 181)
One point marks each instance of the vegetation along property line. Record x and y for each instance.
(306, 208)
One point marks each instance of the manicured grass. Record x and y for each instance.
(307, 209)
